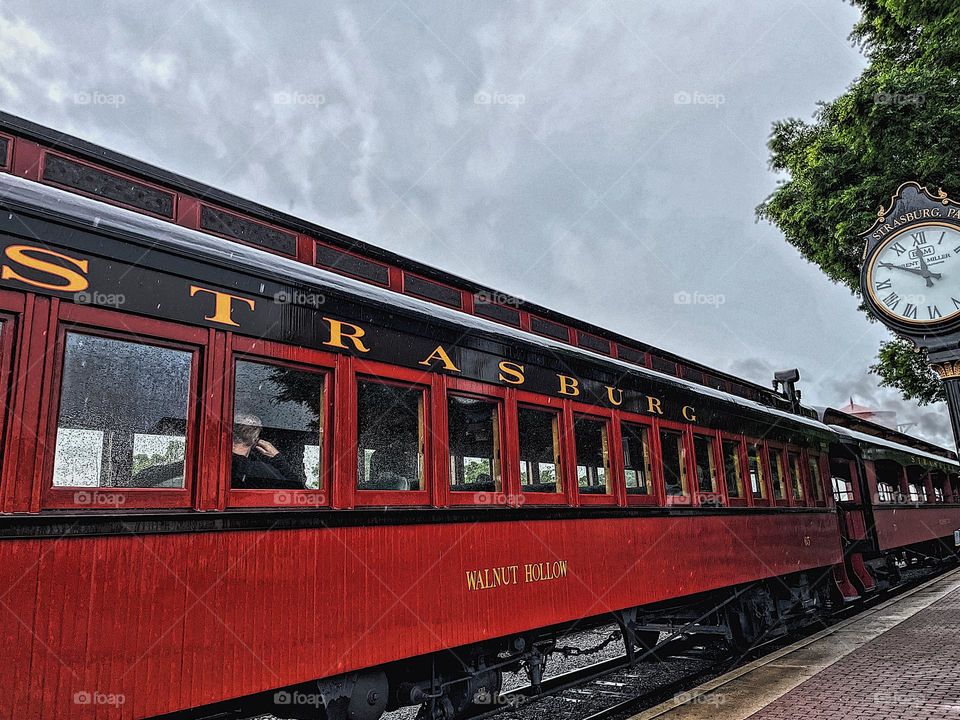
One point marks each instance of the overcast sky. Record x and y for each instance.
(601, 158)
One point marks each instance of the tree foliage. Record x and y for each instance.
(899, 121)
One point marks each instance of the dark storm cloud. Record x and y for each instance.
(601, 158)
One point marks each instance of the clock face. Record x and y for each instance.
(914, 276)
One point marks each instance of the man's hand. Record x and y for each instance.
(266, 449)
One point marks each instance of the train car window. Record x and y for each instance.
(777, 475)
(758, 486)
(674, 458)
(886, 492)
(796, 476)
(593, 455)
(916, 483)
(841, 480)
(473, 442)
(123, 414)
(888, 473)
(390, 436)
(277, 427)
(636, 458)
(539, 432)
(733, 468)
(816, 482)
(706, 464)
(939, 486)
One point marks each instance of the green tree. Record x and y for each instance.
(898, 121)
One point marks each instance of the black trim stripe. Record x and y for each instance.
(74, 524)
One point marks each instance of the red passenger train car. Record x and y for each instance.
(250, 463)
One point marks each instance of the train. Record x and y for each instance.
(250, 464)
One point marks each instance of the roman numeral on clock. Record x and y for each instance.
(898, 249)
(918, 238)
(933, 312)
(892, 300)
(883, 284)
(910, 311)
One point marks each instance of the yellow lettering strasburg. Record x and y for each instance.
(441, 355)
(222, 305)
(28, 256)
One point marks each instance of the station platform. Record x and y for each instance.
(898, 659)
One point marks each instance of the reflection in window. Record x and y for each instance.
(474, 444)
(593, 458)
(841, 481)
(796, 479)
(674, 463)
(732, 467)
(123, 414)
(390, 437)
(886, 492)
(889, 474)
(939, 486)
(636, 458)
(917, 483)
(918, 493)
(758, 487)
(278, 427)
(777, 475)
(539, 450)
(816, 482)
(706, 464)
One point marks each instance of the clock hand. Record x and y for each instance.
(925, 269)
(901, 267)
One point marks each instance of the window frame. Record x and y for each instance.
(817, 457)
(11, 319)
(655, 481)
(480, 391)
(423, 381)
(781, 450)
(115, 325)
(744, 500)
(268, 352)
(802, 466)
(718, 466)
(615, 496)
(545, 404)
(690, 499)
(766, 480)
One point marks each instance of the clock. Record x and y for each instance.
(913, 276)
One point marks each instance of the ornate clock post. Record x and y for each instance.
(911, 279)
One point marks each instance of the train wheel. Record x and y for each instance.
(480, 691)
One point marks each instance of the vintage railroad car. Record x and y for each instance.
(250, 463)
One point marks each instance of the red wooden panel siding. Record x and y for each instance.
(175, 621)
